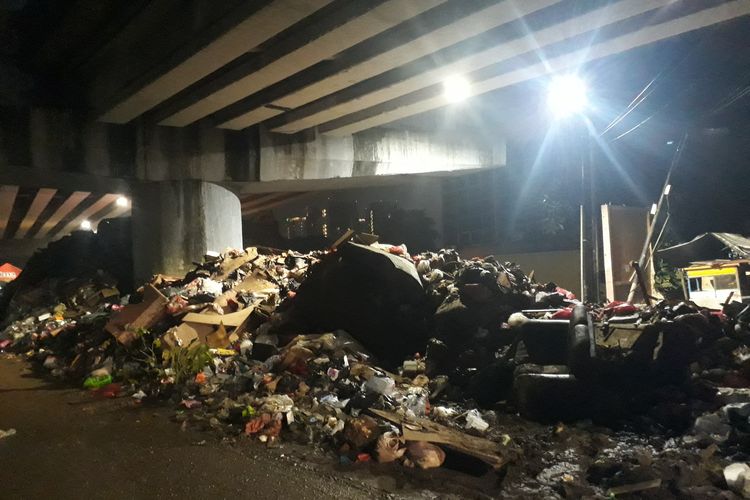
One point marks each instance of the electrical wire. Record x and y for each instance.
(633, 104)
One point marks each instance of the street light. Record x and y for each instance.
(456, 88)
(86, 225)
(567, 95)
(121, 202)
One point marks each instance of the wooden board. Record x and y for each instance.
(422, 429)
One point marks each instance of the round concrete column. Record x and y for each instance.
(176, 222)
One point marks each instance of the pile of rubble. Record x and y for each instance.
(426, 360)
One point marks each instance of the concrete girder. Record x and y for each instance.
(7, 199)
(430, 73)
(253, 202)
(41, 200)
(399, 51)
(372, 18)
(262, 20)
(112, 212)
(272, 202)
(371, 154)
(100, 204)
(62, 211)
(432, 99)
(70, 44)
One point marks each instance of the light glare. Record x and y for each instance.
(456, 88)
(566, 95)
(122, 202)
(86, 225)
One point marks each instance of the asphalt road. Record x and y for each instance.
(70, 445)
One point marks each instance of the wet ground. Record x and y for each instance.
(70, 445)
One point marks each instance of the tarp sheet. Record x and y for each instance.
(707, 246)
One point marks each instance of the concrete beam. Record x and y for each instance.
(103, 202)
(253, 24)
(433, 99)
(18, 252)
(403, 44)
(7, 199)
(41, 200)
(32, 177)
(363, 19)
(287, 197)
(514, 39)
(371, 154)
(70, 43)
(62, 211)
(113, 212)
(257, 201)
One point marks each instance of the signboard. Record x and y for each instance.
(8, 272)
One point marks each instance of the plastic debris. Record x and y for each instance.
(423, 455)
(97, 382)
(8, 433)
(389, 448)
(439, 356)
(474, 421)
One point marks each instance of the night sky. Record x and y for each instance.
(698, 84)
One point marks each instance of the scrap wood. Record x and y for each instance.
(421, 429)
(348, 234)
(233, 319)
(164, 280)
(228, 266)
(145, 314)
(635, 487)
(223, 301)
(255, 284)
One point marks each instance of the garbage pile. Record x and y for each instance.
(425, 360)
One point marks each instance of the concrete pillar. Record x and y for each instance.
(176, 222)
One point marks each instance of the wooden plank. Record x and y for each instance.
(41, 200)
(68, 205)
(230, 265)
(7, 199)
(422, 429)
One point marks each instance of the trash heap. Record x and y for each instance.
(424, 360)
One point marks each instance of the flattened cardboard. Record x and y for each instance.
(146, 314)
(233, 319)
(186, 333)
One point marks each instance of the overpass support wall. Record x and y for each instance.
(53, 142)
(176, 222)
(376, 152)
